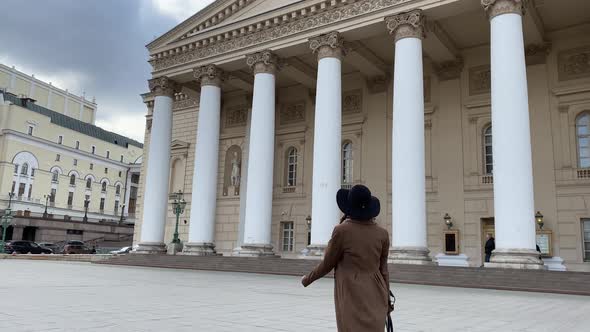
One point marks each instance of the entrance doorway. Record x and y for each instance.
(29, 233)
(9, 231)
(487, 227)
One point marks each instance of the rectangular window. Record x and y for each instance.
(102, 204)
(108, 154)
(116, 207)
(31, 130)
(93, 150)
(15, 169)
(77, 145)
(21, 189)
(30, 191)
(75, 162)
(135, 178)
(91, 166)
(121, 158)
(32, 172)
(106, 170)
(57, 157)
(60, 139)
(287, 236)
(13, 187)
(52, 195)
(120, 173)
(586, 236)
(70, 199)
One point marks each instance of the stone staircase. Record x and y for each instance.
(577, 283)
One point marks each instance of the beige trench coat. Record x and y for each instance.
(358, 252)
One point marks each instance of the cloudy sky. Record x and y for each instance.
(96, 46)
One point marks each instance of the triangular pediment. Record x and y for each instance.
(260, 7)
(214, 14)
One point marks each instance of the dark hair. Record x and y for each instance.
(344, 217)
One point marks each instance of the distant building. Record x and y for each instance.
(52, 154)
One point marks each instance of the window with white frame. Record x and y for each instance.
(116, 207)
(30, 130)
(16, 169)
(89, 183)
(73, 180)
(32, 172)
(586, 237)
(55, 176)
(292, 167)
(488, 158)
(103, 187)
(118, 189)
(583, 138)
(101, 207)
(75, 162)
(52, 195)
(108, 154)
(122, 157)
(70, 199)
(77, 145)
(287, 236)
(57, 157)
(24, 170)
(93, 149)
(91, 166)
(60, 139)
(347, 163)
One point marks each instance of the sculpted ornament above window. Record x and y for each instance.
(292, 113)
(236, 117)
(574, 64)
(498, 7)
(352, 102)
(406, 25)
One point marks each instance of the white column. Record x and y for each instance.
(514, 214)
(244, 182)
(409, 245)
(204, 190)
(257, 228)
(155, 203)
(327, 169)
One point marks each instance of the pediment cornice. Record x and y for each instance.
(306, 19)
(210, 16)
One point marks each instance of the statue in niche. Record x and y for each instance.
(232, 171)
(235, 170)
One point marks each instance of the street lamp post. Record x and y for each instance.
(86, 202)
(45, 214)
(6, 219)
(178, 207)
(121, 218)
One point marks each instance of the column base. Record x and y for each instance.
(525, 259)
(150, 248)
(254, 250)
(313, 251)
(452, 260)
(410, 255)
(174, 248)
(199, 249)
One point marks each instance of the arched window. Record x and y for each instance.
(104, 186)
(347, 163)
(291, 167)
(488, 159)
(118, 189)
(89, 183)
(73, 180)
(583, 137)
(24, 170)
(55, 176)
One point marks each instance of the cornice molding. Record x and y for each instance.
(285, 25)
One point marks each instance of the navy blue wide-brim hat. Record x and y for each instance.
(357, 203)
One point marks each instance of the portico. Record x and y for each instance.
(394, 94)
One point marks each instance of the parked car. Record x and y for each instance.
(122, 251)
(48, 245)
(77, 247)
(25, 247)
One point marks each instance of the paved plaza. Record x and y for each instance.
(63, 296)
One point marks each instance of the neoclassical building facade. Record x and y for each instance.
(260, 110)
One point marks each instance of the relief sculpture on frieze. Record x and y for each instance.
(292, 113)
(574, 64)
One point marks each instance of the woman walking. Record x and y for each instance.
(358, 253)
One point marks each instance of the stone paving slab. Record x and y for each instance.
(60, 296)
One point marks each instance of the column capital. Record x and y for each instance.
(406, 25)
(209, 75)
(330, 45)
(263, 62)
(498, 7)
(162, 86)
